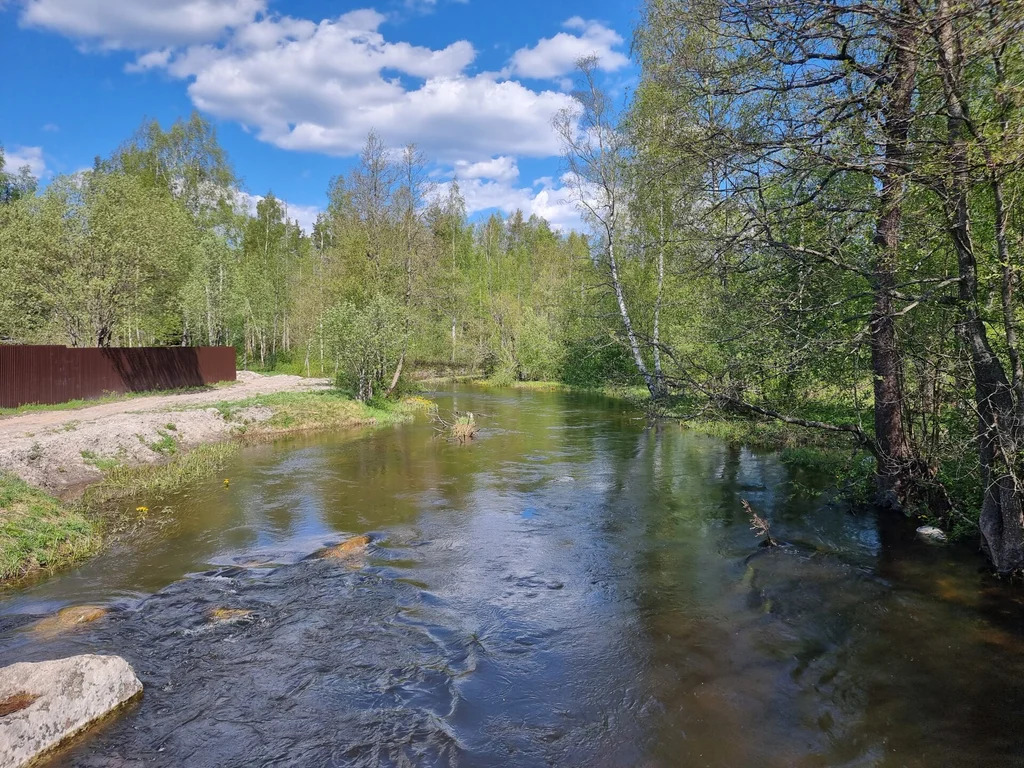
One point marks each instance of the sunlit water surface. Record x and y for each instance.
(574, 588)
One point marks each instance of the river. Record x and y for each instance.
(576, 587)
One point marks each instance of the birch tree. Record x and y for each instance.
(596, 155)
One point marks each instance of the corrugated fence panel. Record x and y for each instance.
(49, 375)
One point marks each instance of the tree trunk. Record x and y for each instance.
(398, 375)
(999, 429)
(659, 376)
(634, 345)
(897, 464)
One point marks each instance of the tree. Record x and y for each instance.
(15, 186)
(101, 253)
(596, 156)
(365, 342)
(960, 35)
(810, 110)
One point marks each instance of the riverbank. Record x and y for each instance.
(63, 488)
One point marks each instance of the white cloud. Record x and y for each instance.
(305, 215)
(499, 168)
(16, 158)
(426, 6)
(140, 24)
(554, 57)
(323, 87)
(545, 199)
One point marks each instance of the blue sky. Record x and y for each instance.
(293, 86)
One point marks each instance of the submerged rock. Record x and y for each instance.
(68, 618)
(351, 548)
(931, 534)
(229, 615)
(47, 702)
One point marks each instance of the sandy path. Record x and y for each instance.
(248, 385)
(60, 451)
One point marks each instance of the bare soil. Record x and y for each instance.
(63, 451)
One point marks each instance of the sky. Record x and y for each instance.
(294, 86)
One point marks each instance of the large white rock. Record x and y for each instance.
(56, 699)
(932, 534)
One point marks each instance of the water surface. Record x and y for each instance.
(575, 588)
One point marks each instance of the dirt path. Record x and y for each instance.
(60, 451)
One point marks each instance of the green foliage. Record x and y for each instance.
(596, 362)
(93, 256)
(366, 343)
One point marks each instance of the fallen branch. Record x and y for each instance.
(759, 526)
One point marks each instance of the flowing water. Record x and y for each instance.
(574, 588)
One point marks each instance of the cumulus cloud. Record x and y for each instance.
(16, 158)
(554, 57)
(140, 24)
(322, 87)
(546, 198)
(499, 168)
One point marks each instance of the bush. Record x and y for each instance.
(596, 362)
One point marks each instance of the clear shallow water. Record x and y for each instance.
(575, 588)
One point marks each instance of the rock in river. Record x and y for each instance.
(931, 534)
(42, 704)
(352, 547)
(68, 618)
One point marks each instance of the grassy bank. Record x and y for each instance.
(41, 533)
(300, 411)
(37, 531)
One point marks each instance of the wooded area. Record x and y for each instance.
(808, 211)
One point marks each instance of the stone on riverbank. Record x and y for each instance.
(49, 701)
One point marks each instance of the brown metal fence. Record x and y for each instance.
(50, 375)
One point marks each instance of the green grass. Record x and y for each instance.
(167, 444)
(38, 532)
(298, 411)
(103, 500)
(102, 463)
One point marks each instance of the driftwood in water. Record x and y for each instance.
(461, 426)
(759, 526)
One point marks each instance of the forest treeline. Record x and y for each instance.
(154, 246)
(808, 211)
